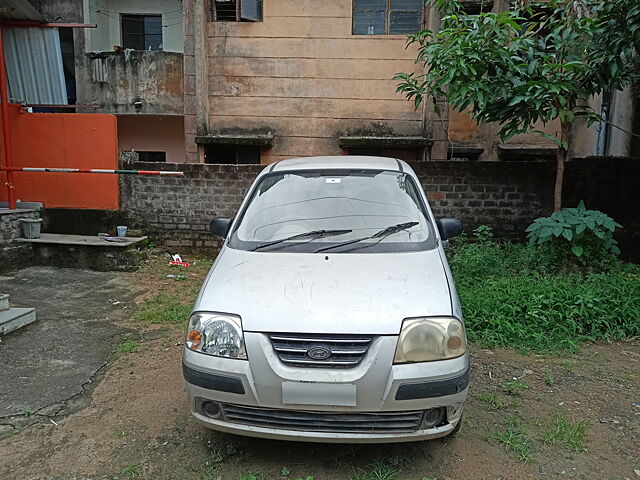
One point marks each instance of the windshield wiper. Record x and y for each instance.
(314, 234)
(385, 232)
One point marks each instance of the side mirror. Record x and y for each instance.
(220, 226)
(449, 228)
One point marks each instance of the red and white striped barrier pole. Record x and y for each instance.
(91, 170)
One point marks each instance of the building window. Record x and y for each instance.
(387, 17)
(476, 7)
(152, 156)
(142, 32)
(236, 10)
(232, 154)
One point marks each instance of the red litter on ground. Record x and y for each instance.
(177, 260)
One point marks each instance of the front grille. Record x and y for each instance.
(398, 422)
(347, 351)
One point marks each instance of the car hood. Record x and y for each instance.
(326, 293)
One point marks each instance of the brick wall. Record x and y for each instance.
(505, 195)
(177, 210)
(13, 254)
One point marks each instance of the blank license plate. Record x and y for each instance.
(299, 393)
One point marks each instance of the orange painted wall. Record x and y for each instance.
(68, 140)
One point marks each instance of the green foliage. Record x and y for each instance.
(534, 64)
(585, 235)
(129, 346)
(252, 476)
(513, 387)
(515, 439)
(132, 470)
(548, 377)
(378, 470)
(517, 296)
(567, 433)
(163, 308)
(492, 400)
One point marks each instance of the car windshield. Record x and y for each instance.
(337, 211)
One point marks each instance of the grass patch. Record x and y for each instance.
(515, 439)
(520, 296)
(129, 346)
(123, 432)
(212, 463)
(492, 400)
(548, 377)
(132, 470)
(163, 308)
(515, 386)
(564, 432)
(380, 469)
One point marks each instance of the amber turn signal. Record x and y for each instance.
(194, 339)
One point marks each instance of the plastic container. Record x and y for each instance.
(31, 227)
(122, 230)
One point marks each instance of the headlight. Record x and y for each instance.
(216, 334)
(429, 339)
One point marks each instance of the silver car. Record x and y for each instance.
(330, 314)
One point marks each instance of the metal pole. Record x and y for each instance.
(6, 128)
(91, 170)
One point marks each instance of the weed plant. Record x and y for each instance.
(522, 296)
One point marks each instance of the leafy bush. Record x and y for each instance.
(515, 295)
(584, 234)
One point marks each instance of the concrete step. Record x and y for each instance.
(87, 251)
(4, 301)
(14, 318)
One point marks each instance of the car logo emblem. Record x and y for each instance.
(318, 352)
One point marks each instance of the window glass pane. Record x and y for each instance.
(251, 10)
(369, 23)
(370, 4)
(153, 42)
(132, 24)
(405, 22)
(133, 40)
(153, 25)
(406, 4)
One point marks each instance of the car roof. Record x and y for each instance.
(346, 162)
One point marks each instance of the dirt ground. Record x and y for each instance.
(136, 423)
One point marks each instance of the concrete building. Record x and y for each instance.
(255, 81)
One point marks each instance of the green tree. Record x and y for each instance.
(537, 62)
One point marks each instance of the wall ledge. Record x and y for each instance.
(384, 141)
(257, 139)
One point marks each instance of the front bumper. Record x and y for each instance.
(378, 388)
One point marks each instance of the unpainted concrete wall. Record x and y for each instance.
(154, 79)
(302, 75)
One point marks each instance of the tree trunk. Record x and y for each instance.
(561, 158)
(557, 191)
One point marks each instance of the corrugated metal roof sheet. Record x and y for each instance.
(18, 10)
(34, 66)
